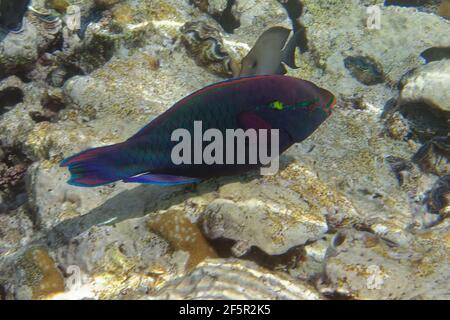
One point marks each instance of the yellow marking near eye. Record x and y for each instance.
(278, 105)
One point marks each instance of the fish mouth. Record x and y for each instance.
(328, 108)
(332, 102)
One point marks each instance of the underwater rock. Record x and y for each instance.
(439, 197)
(348, 155)
(235, 279)
(407, 3)
(16, 229)
(98, 262)
(144, 93)
(429, 84)
(276, 215)
(256, 16)
(397, 127)
(204, 43)
(364, 266)
(424, 121)
(183, 235)
(59, 5)
(53, 100)
(38, 277)
(274, 230)
(365, 69)
(425, 100)
(59, 75)
(123, 254)
(329, 46)
(106, 3)
(400, 167)
(429, 6)
(13, 170)
(433, 156)
(223, 11)
(10, 97)
(20, 50)
(310, 265)
(12, 176)
(444, 9)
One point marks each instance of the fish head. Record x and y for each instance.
(300, 107)
(311, 106)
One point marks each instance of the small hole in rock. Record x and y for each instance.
(60, 75)
(226, 19)
(436, 54)
(2, 293)
(54, 104)
(39, 117)
(290, 259)
(425, 121)
(23, 74)
(9, 97)
(338, 239)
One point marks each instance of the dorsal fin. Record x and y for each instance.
(182, 102)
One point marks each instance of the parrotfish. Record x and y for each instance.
(293, 106)
(270, 52)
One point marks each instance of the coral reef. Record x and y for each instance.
(359, 210)
(183, 235)
(428, 84)
(363, 265)
(41, 277)
(234, 279)
(439, 197)
(434, 156)
(275, 215)
(205, 44)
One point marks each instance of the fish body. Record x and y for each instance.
(295, 107)
(269, 52)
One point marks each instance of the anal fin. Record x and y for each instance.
(160, 179)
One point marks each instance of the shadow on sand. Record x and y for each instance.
(138, 202)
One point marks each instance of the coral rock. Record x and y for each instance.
(234, 279)
(182, 235)
(429, 84)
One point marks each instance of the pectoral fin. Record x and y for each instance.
(250, 120)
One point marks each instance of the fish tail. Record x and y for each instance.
(94, 167)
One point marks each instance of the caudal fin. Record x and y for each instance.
(93, 167)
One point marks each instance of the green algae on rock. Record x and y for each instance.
(41, 275)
